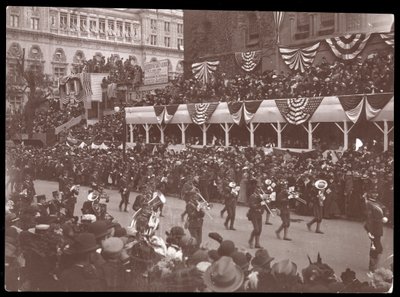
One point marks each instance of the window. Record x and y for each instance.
(253, 27)
(303, 25)
(166, 26)
(153, 39)
(73, 22)
(83, 24)
(180, 28)
(128, 30)
(167, 41)
(110, 27)
(153, 24)
(119, 28)
(93, 25)
(59, 71)
(327, 24)
(180, 42)
(135, 32)
(34, 23)
(63, 21)
(35, 67)
(14, 20)
(102, 26)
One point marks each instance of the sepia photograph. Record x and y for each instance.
(182, 150)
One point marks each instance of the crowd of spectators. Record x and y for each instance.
(349, 174)
(57, 253)
(45, 119)
(373, 75)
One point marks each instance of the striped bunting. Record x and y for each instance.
(278, 17)
(248, 61)
(250, 109)
(388, 38)
(300, 58)
(85, 82)
(200, 113)
(170, 112)
(159, 111)
(298, 110)
(235, 109)
(352, 106)
(349, 46)
(204, 71)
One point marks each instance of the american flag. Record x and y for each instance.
(85, 82)
(298, 110)
(200, 113)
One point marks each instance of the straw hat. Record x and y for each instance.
(223, 275)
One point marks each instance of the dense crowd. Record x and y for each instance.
(373, 75)
(45, 119)
(47, 250)
(348, 174)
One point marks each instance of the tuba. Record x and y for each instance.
(150, 213)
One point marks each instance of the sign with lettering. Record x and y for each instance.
(156, 72)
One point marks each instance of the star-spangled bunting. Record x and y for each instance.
(299, 58)
(248, 61)
(200, 113)
(298, 110)
(388, 38)
(159, 111)
(204, 71)
(349, 46)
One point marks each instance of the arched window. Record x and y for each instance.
(59, 56)
(14, 51)
(79, 57)
(35, 53)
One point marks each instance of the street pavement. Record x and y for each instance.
(345, 244)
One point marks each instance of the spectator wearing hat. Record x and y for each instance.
(223, 276)
(82, 276)
(260, 277)
(286, 277)
(376, 217)
(70, 199)
(255, 212)
(112, 270)
(55, 205)
(318, 197)
(101, 230)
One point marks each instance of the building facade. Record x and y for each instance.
(217, 35)
(59, 38)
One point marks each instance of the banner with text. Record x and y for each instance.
(156, 72)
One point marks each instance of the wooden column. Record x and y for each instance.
(226, 129)
(204, 128)
(252, 129)
(345, 131)
(278, 129)
(183, 128)
(147, 128)
(161, 128)
(310, 131)
(385, 132)
(130, 133)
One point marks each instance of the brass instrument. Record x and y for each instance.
(154, 218)
(203, 203)
(292, 194)
(266, 199)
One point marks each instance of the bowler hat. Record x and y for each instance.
(223, 276)
(83, 243)
(226, 248)
(241, 260)
(261, 258)
(39, 229)
(99, 228)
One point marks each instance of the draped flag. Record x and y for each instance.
(235, 109)
(250, 109)
(86, 83)
(248, 61)
(170, 112)
(204, 70)
(159, 111)
(298, 110)
(349, 46)
(375, 103)
(388, 38)
(352, 106)
(278, 17)
(300, 58)
(200, 113)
